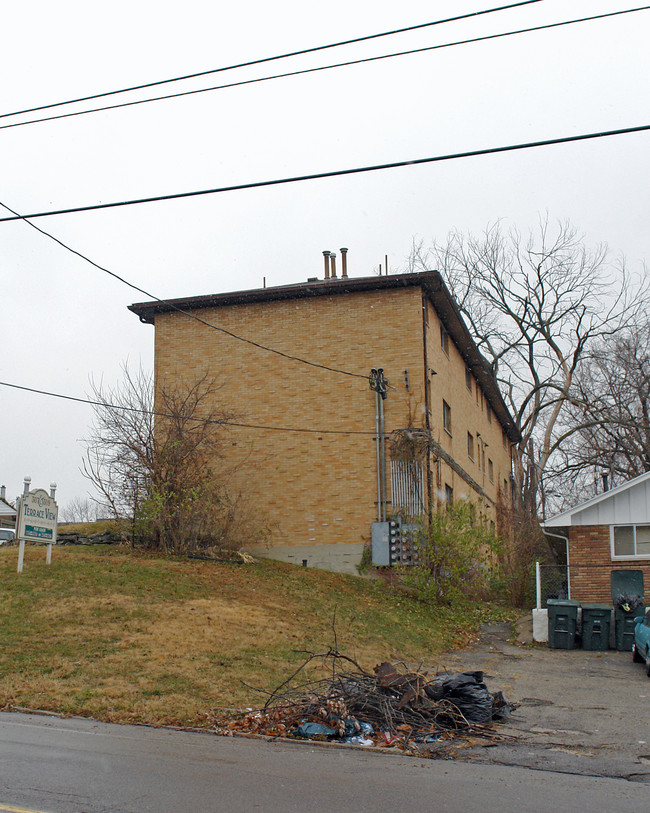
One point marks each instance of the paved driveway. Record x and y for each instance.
(579, 712)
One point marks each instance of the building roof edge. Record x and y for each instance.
(430, 282)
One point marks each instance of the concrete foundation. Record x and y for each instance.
(342, 558)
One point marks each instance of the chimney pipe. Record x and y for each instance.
(326, 257)
(3, 491)
(333, 262)
(344, 263)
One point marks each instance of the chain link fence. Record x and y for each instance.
(553, 583)
(597, 583)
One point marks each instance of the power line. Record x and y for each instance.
(314, 70)
(272, 58)
(333, 174)
(157, 414)
(180, 310)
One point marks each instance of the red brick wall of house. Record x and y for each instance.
(591, 564)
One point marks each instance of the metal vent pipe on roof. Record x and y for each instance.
(344, 263)
(326, 257)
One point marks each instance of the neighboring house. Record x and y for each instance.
(7, 511)
(607, 533)
(319, 489)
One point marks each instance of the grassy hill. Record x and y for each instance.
(124, 636)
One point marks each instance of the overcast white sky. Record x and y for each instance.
(63, 321)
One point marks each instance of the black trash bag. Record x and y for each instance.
(434, 690)
(469, 694)
(501, 709)
(628, 601)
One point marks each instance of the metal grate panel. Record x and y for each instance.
(407, 487)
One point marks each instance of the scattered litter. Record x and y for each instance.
(310, 731)
(392, 707)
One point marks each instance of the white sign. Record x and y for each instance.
(38, 515)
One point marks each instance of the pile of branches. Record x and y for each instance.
(391, 707)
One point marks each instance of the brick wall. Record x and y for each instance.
(319, 489)
(591, 564)
(470, 414)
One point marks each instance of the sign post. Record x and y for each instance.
(37, 520)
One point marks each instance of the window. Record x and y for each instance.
(468, 379)
(449, 495)
(446, 417)
(444, 340)
(488, 411)
(505, 488)
(490, 470)
(470, 446)
(630, 540)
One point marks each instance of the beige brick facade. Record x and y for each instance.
(318, 489)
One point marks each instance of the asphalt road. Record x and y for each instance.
(81, 766)
(579, 712)
(579, 740)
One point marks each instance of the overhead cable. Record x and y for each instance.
(316, 70)
(157, 414)
(263, 60)
(335, 173)
(180, 310)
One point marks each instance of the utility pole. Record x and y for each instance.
(379, 385)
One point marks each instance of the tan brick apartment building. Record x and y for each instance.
(319, 489)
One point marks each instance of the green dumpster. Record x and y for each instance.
(627, 595)
(596, 623)
(624, 627)
(562, 623)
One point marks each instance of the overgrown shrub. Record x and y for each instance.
(457, 557)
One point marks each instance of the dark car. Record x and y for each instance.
(641, 646)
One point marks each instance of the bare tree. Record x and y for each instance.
(607, 425)
(535, 308)
(164, 471)
(80, 509)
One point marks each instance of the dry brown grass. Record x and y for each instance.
(126, 637)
